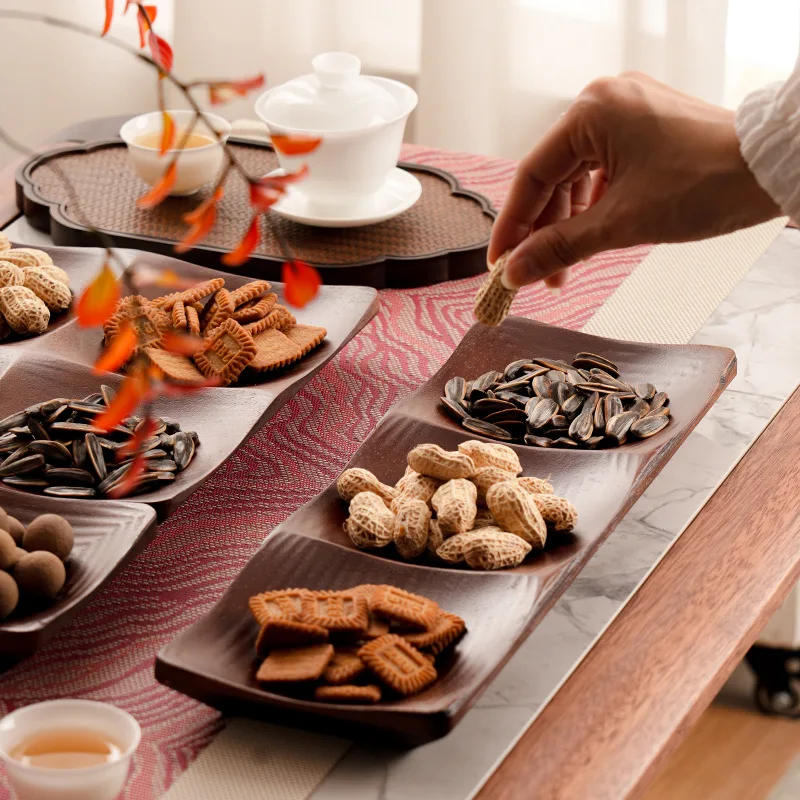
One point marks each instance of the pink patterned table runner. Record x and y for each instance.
(108, 652)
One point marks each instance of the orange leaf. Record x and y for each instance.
(129, 3)
(195, 215)
(198, 231)
(118, 352)
(302, 283)
(262, 197)
(249, 243)
(295, 144)
(161, 51)
(130, 393)
(144, 431)
(161, 190)
(99, 298)
(183, 344)
(167, 133)
(128, 482)
(109, 16)
(151, 12)
(225, 91)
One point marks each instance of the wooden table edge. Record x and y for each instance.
(635, 696)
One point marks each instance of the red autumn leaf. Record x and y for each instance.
(144, 27)
(302, 283)
(262, 197)
(225, 91)
(196, 214)
(167, 133)
(99, 298)
(109, 16)
(144, 430)
(161, 190)
(161, 51)
(246, 246)
(118, 352)
(295, 144)
(129, 480)
(183, 344)
(198, 231)
(130, 394)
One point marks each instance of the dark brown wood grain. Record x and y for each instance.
(634, 697)
(213, 660)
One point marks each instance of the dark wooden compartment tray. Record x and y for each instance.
(443, 237)
(214, 661)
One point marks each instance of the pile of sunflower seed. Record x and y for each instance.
(53, 448)
(546, 402)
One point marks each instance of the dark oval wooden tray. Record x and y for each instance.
(213, 660)
(107, 536)
(443, 237)
(59, 362)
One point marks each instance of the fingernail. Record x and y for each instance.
(554, 290)
(506, 283)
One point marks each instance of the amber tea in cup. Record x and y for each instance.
(153, 139)
(66, 748)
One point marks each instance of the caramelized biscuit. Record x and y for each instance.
(288, 632)
(296, 664)
(223, 309)
(398, 664)
(398, 605)
(227, 352)
(445, 630)
(336, 611)
(280, 604)
(256, 310)
(343, 667)
(273, 350)
(192, 320)
(250, 291)
(177, 368)
(306, 337)
(179, 316)
(348, 694)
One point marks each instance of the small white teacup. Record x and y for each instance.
(103, 781)
(197, 165)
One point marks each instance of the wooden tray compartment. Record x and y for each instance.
(213, 660)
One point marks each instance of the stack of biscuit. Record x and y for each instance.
(351, 646)
(244, 328)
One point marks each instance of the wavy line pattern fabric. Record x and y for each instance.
(107, 652)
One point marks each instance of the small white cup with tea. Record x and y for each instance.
(68, 750)
(199, 161)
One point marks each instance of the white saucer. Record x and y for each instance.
(398, 194)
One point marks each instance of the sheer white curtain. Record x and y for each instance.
(491, 74)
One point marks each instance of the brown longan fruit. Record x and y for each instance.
(17, 556)
(8, 550)
(15, 528)
(49, 532)
(9, 594)
(40, 575)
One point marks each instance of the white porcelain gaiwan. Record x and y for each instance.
(360, 118)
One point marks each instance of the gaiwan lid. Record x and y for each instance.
(336, 97)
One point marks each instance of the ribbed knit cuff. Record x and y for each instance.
(768, 127)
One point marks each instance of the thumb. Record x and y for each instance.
(559, 245)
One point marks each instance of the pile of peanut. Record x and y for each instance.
(31, 288)
(470, 505)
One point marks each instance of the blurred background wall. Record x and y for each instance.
(492, 74)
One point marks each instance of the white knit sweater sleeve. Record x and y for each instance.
(768, 126)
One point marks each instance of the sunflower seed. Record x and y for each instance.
(507, 415)
(559, 421)
(490, 405)
(71, 429)
(474, 425)
(595, 386)
(648, 426)
(54, 452)
(61, 476)
(590, 361)
(593, 442)
(37, 429)
(108, 394)
(641, 407)
(564, 442)
(561, 391)
(512, 371)
(553, 363)
(456, 409)
(599, 416)
(541, 386)
(659, 399)
(183, 450)
(92, 409)
(95, 456)
(645, 390)
(70, 491)
(582, 427)
(21, 452)
(612, 406)
(26, 483)
(59, 414)
(455, 389)
(161, 465)
(618, 426)
(542, 413)
(13, 421)
(572, 405)
(538, 441)
(21, 466)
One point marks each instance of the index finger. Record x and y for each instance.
(555, 159)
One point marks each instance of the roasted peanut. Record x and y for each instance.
(355, 480)
(23, 310)
(486, 477)
(488, 454)
(411, 527)
(513, 508)
(435, 462)
(495, 549)
(455, 503)
(556, 511)
(370, 524)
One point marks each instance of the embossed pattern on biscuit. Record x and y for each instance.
(398, 664)
(229, 350)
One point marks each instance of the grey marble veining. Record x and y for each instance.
(760, 320)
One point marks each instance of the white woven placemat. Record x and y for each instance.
(666, 299)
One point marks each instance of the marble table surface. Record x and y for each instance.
(760, 321)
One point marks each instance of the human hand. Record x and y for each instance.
(632, 161)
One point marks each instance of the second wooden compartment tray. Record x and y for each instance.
(214, 659)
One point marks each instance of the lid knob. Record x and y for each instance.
(336, 70)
